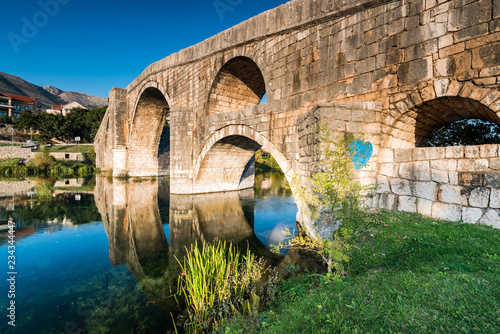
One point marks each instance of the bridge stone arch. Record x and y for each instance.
(233, 146)
(149, 84)
(424, 111)
(151, 110)
(238, 83)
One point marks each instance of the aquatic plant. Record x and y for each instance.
(217, 282)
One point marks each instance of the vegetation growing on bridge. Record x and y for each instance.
(332, 196)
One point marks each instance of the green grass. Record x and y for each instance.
(409, 275)
(10, 162)
(71, 148)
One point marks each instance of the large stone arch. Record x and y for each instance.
(150, 113)
(237, 84)
(423, 111)
(225, 159)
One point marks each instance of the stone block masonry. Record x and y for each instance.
(8, 152)
(395, 71)
(452, 183)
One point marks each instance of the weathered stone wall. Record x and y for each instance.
(7, 152)
(361, 119)
(453, 183)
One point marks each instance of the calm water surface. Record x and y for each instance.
(100, 257)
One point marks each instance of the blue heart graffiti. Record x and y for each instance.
(360, 153)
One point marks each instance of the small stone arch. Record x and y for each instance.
(237, 143)
(238, 83)
(148, 84)
(151, 111)
(445, 101)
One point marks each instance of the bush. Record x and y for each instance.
(264, 162)
(43, 159)
(90, 157)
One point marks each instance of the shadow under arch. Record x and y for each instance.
(238, 84)
(225, 161)
(421, 114)
(146, 131)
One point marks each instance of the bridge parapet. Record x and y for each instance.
(453, 183)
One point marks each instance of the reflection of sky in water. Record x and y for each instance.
(166, 229)
(59, 270)
(272, 216)
(63, 267)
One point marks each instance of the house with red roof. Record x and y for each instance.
(64, 109)
(14, 105)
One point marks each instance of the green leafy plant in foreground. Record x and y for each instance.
(217, 282)
(331, 195)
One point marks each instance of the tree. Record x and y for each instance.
(466, 132)
(332, 196)
(79, 122)
(26, 121)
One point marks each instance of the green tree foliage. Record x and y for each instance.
(466, 132)
(264, 162)
(79, 122)
(4, 119)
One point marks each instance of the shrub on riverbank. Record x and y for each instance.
(43, 159)
(408, 274)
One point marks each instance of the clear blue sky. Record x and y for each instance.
(91, 46)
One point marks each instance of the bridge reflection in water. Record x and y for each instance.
(136, 216)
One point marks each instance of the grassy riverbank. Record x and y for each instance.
(43, 164)
(84, 149)
(409, 274)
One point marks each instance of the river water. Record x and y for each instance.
(94, 256)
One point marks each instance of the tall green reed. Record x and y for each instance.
(217, 282)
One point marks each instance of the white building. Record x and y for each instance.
(64, 109)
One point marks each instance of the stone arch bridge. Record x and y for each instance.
(393, 70)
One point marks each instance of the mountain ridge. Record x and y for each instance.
(47, 95)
